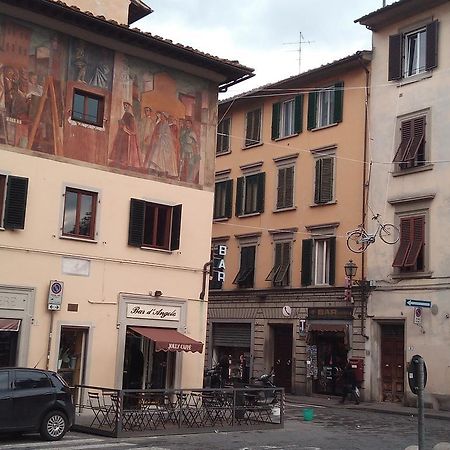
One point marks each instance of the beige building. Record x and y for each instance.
(107, 140)
(289, 184)
(409, 187)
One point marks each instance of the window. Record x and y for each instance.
(253, 128)
(13, 202)
(79, 213)
(250, 194)
(318, 261)
(413, 52)
(285, 188)
(411, 151)
(324, 180)
(30, 379)
(223, 136)
(410, 255)
(245, 276)
(279, 275)
(325, 106)
(88, 108)
(154, 225)
(223, 194)
(287, 118)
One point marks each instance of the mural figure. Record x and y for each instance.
(147, 126)
(80, 62)
(190, 156)
(125, 151)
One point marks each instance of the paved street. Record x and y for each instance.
(333, 428)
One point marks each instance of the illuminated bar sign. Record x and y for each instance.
(219, 263)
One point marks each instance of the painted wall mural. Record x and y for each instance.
(153, 118)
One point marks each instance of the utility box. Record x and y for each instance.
(358, 368)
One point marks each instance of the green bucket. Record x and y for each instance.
(308, 414)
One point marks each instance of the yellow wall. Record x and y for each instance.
(112, 9)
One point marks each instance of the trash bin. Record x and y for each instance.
(308, 414)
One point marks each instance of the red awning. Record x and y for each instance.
(169, 340)
(9, 324)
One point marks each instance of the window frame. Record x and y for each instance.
(255, 125)
(254, 204)
(100, 109)
(287, 117)
(223, 136)
(280, 274)
(94, 198)
(334, 114)
(408, 40)
(324, 279)
(245, 278)
(285, 192)
(223, 200)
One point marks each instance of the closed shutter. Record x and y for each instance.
(229, 199)
(298, 114)
(232, 335)
(281, 188)
(307, 251)
(318, 170)
(261, 192)
(338, 101)
(240, 196)
(176, 228)
(15, 203)
(395, 57)
(432, 45)
(418, 136)
(312, 110)
(324, 180)
(276, 120)
(136, 225)
(332, 272)
(405, 242)
(417, 241)
(289, 196)
(405, 143)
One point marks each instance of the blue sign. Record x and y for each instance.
(418, 303)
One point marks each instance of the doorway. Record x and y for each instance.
(392, 361)
(282, 356)
(72, 354)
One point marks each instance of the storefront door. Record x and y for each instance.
(392, 362)
(282, 356)
(72, 354)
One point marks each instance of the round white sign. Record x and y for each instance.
(287, 311)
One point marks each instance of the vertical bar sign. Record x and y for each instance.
(219, 262)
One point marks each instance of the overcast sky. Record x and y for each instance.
(257, 33)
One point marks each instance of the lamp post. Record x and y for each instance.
(350, 272)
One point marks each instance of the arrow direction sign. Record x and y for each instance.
(418, 303)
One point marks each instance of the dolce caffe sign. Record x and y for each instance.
(155, 312)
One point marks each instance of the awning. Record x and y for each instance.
(169, 340)
(328, 327)
(9, 324)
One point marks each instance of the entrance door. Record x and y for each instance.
(282, 356)
(392, 362)
(72, 354)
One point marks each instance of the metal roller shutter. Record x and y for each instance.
(232, 334)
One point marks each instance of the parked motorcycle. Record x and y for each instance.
(265, 396)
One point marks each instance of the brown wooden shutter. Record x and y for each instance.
(260, 192)
(332, 273)
(405, 242)
(289, 195)
(406, 139)
(395, 57)
(240, 196)
(136, 225)
(417, 241)
(318, 176)
(418, 136)
(432, 45)
(229, 199)
(15, 203)
(326, 194)
(281, 189)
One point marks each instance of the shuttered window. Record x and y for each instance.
(154, 225)
(253, 128)
(325, 106)
(318, 261)
(287, 117)
(250, 194)
(324, 180)
(279, 275)
(223, 194)
(245, 276)
(285, 189)
(13, 202)
(413, 52)
(410, 254)
(411, 151)
(223, 136)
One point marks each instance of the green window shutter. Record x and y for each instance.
(281, 189)
(289, 195)
(326, 182)
(261, 192)
(312, 110)
(216, 210)
(176, 228)
(332, 273)
(317, 183)
(15, 203)
(432, 45)
(239, 196)
(298, 114)
(338, 101)
(229, 199)
(307, 251)
(395, 57)
(276, 120)
(136, 225)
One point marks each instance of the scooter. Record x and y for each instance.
(265, 396)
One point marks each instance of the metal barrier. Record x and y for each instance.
(117, 413)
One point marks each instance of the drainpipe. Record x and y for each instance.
(205, 271)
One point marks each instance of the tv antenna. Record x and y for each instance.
(301, 40)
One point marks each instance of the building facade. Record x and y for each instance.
(289, 184)
(409, 138)
(107, 140)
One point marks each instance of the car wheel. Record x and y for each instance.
(54, 426)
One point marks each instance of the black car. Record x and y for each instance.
(35, 400)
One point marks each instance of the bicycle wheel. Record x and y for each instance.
(389, 233)
(356, 242)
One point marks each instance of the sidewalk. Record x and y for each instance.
(385, 407)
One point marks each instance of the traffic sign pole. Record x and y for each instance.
(420, 402)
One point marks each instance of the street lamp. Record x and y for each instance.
(350, 271)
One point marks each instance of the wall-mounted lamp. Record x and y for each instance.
(158, 293)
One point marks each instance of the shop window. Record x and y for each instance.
(280, 273)
(79, 213)
(88, 107)
(245, 276)
(154, 225)
(13, 202)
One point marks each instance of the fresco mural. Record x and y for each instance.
(153, 118)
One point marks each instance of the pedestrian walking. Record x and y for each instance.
(349, 384)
